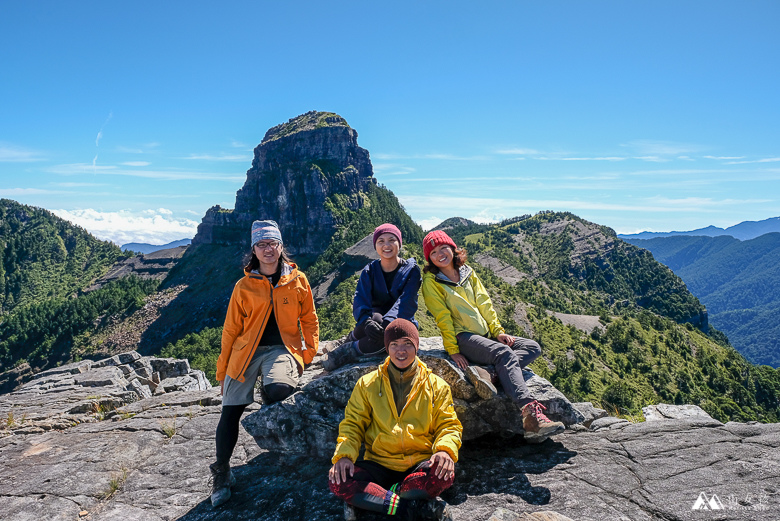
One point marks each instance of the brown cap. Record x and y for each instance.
(402, 328)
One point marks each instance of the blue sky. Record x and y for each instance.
(131, 119)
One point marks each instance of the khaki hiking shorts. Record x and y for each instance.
(274, 363)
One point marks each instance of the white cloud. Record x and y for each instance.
(220, 157)
(518, 151)
(15, 154)
(653, 159)
(765, 160)
(611, 158)
(77, 185)
(150, 226)
(647, 147)
(171, 175)
(14, 192)
(724, 158)
(136, 163)
(390, 169)
(143, 149)
(128, 150)
(427, 224)
(491, 210)
(100, 132)
(435, 155)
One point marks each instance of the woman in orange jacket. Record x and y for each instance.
(271, 306)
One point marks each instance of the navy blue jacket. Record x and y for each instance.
(372, 295)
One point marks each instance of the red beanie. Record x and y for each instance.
(402, 328)
(433, 239)
(387, 228)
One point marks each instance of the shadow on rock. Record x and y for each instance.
(495, 465)
(295, 487)
(275, 487)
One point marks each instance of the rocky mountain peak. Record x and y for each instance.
(303, 174)
(309, 121)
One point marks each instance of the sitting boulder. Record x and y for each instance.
(307, 422)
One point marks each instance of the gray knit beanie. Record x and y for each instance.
(267, 230)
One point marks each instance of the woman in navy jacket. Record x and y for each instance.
(387, 289)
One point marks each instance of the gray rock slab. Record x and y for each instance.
(664, 411)
(608, 422)
(86, 392)
(644, 471)
(589, 412)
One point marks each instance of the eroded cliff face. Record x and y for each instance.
(300, 173)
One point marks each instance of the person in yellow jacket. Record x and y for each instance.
(471, 332)
(270, 309)
(405, 416)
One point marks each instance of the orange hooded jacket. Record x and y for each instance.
(248, 312)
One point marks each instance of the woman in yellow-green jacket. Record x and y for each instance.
(472, 333)
(405, 416)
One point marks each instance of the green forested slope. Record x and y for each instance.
(738, 281)
(43, 334)
(573, 266)
(46, 257)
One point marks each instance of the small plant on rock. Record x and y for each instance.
(169, 429)
(115, 483)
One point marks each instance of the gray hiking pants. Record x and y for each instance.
(509, 361)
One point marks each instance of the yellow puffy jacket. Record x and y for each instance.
(427, 423)
(460, 307)
(248, 312)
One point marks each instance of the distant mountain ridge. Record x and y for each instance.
(142, 247)
(743, 231)
(738, 281)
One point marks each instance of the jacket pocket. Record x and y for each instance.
(239, 344)
(386, 446)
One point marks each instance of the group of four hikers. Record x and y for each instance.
(402, 412)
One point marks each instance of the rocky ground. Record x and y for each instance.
(147, 460)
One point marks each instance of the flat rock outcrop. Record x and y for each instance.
(90, 391)
(149, 462)
(307, 422)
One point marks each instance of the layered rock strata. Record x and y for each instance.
(154, 265)
(90, 391)
(296, 171)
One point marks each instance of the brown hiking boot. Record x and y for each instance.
(480, 379)
(536, 423)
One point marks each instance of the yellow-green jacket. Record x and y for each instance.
(460, 307)
(427, 423)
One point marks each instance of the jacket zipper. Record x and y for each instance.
(265, 320)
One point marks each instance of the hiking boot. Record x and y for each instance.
(342, 355)
(537, 424)
(349, 513)
(480, 379)
(436, 508)
(326, 346)
(222, 479)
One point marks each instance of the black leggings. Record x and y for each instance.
(227, 428)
